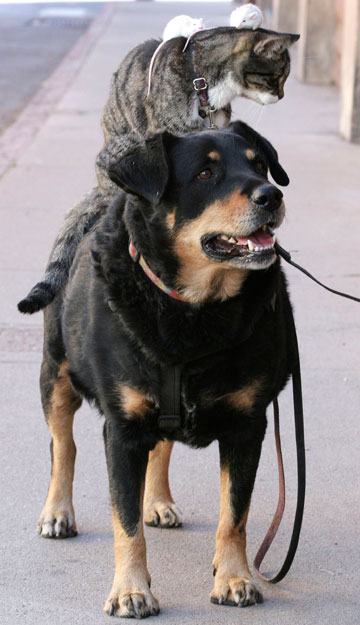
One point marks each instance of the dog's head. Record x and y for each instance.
(206, 199)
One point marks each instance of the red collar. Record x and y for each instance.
(138, 258)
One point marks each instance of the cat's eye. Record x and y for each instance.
(205, 174)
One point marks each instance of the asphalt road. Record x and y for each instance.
(33, 40)
(66, 582)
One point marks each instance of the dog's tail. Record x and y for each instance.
(77, 223)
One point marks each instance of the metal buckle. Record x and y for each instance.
(201, 86)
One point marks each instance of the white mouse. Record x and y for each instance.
(247, 16)
(182, 26)
(179, 26)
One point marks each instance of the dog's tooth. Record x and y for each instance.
(250, 245)
(257, 249)
(224, 237)
(232, 240)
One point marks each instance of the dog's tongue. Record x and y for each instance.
(258, 239)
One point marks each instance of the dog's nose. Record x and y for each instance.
(267, 197)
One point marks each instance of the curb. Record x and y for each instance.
(20, 133)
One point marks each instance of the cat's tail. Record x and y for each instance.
(78, 222)
(40, 296)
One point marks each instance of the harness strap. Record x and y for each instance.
(201, 88)
(170, 398)
(301, 471)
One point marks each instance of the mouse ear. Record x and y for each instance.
(258, 141)
(143, 170)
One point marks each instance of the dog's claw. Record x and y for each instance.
(56, 525)
(132, 604)
(238, 592)
(163, 514)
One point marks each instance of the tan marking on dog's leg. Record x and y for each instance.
(160, 509)
(133, 402)
(57, 519)
(233, 582)
(130, 595)
(245, 397)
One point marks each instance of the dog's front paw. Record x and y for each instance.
(54, 523)
(132, 603)
(237, 591)
(163, 514)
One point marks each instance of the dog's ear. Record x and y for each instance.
(274, 44)
(143, 170)
(258, 141)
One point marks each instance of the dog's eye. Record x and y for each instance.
(205, 174)
(261, 167)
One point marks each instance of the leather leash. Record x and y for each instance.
(301, 471)
(287, 256)
(300, 446)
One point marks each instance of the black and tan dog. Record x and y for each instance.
(199, 212)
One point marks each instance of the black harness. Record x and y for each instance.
(170, 398)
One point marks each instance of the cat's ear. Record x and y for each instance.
(258, 141)
(274, 44)
(143, 170)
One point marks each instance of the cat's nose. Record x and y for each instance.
(267, 197)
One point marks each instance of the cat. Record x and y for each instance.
(249, 63)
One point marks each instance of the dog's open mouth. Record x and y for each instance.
(258, 244)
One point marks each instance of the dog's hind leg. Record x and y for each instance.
(60, 402)
(233, 583)
(159, 507)
(130, 595)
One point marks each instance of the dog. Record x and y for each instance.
(196, 302)
(231, 63)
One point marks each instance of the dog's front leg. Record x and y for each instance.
(160, 508)
(233, 583)
(130, 595)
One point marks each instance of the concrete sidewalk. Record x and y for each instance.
(63, 582)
